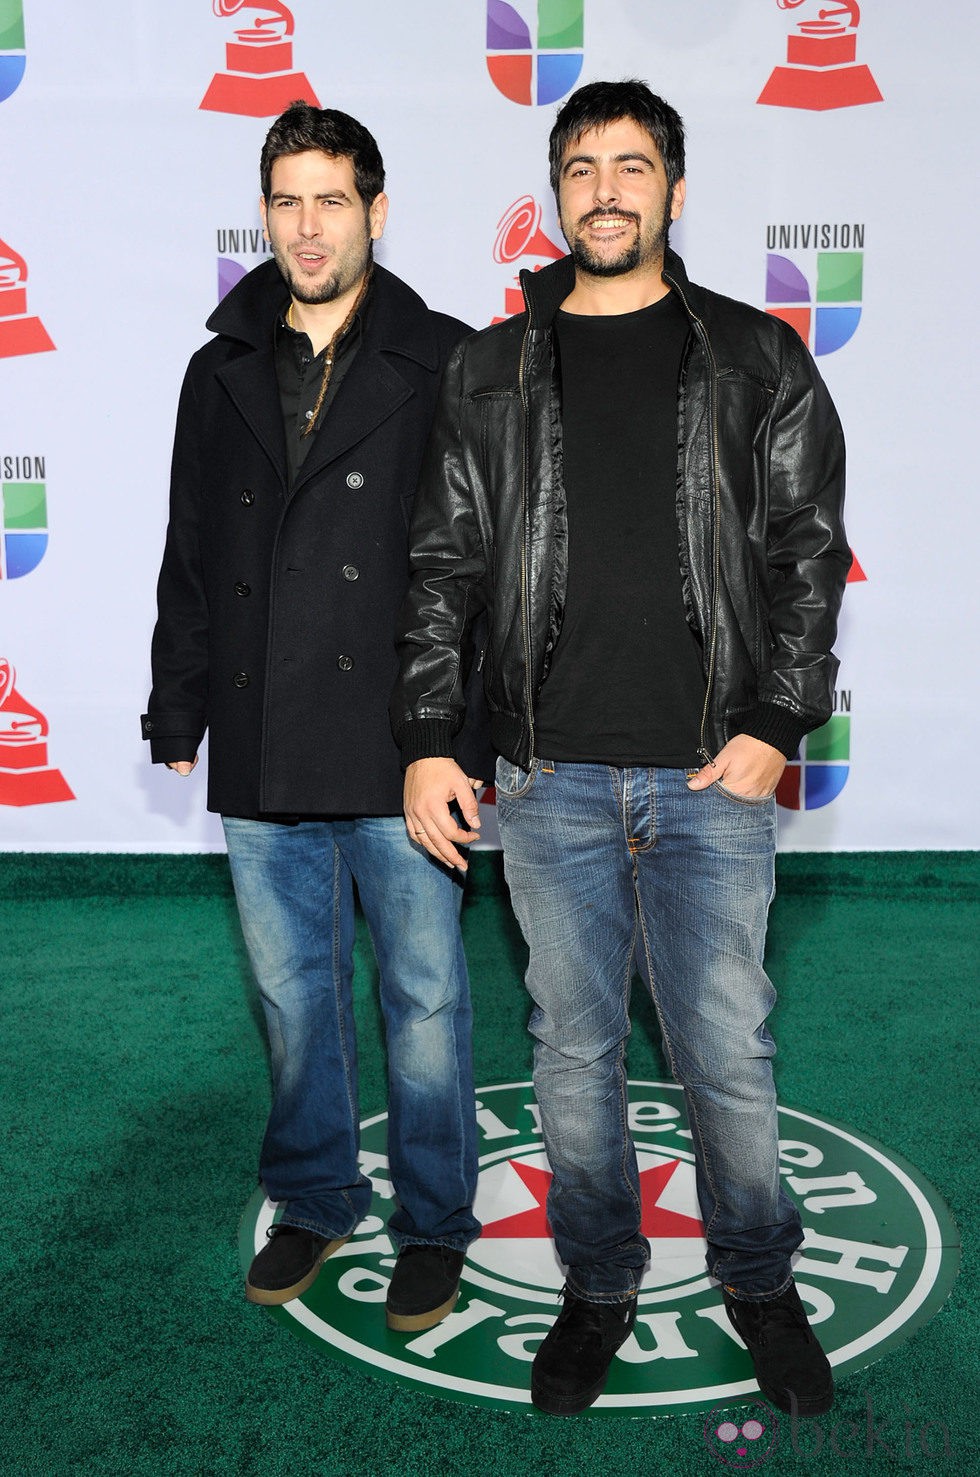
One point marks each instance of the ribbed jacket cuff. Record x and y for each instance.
(426, 738)
(777, 726)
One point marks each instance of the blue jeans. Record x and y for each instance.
(611, 869)
(294, 885)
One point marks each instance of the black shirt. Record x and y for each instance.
(300, 374)
(626, 684)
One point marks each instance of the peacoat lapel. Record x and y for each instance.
(371, 392)
(251, 383)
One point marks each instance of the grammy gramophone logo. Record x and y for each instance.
(259, 81)
(19, 332)
(822, 70)
(519, 235)
(26, 778)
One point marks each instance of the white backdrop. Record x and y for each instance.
(120, 194)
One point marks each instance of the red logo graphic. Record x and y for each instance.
(25, 776)
(657, 1219)
(519, 234)
(260, 81)
(19, 334)
(821, 69)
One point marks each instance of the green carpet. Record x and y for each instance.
(135, 1089)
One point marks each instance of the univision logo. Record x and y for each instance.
(25, 519)
(818, 773)
(248, 245)
(534, 48)
(12, 58)
(823, 303)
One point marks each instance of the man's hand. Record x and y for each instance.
(431, 785)
(183, 766)
(746, 766)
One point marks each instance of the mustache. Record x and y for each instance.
(601, 213)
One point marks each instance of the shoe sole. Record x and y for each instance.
(273, 1297)
(416, 1322)
(552, 1406)
(816, 1405)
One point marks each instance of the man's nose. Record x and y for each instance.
(606, 185)
(309, 221)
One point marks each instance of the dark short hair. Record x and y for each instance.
(598, 104)
(303, 127)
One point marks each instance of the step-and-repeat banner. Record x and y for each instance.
(831, 181)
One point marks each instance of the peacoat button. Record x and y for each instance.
(345, 663)
(241, 588)
(350, 572)
(241, 679)
(248, 497)
(355, 479)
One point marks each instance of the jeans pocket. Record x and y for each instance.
(740, 799)
(511, 781)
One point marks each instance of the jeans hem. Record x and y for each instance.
(317, 1227)
(586, 1295)
(758, 1297)
(452, 1243)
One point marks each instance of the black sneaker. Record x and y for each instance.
(792, 1369)
(571, 1366)
(424, 1287)
(288, 1264)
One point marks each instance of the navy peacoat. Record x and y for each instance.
(277, 607)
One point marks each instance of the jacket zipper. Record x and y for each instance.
(716, 534)
(525, 594)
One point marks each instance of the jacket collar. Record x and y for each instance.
(398, 321)
(546, 290)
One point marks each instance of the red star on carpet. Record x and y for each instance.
(657, 1221)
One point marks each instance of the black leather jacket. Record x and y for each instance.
(761, 544)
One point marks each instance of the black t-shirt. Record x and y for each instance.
(626, 684)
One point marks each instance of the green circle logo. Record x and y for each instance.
(880, 1256)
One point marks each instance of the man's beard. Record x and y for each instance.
(347, 273)
(630, 257)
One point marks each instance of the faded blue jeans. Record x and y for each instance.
(294, 885)
(615, 869)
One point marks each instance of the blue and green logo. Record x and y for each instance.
(825, 314)
(25, 527)
(818, 773)
(12, 57)
(534, 48)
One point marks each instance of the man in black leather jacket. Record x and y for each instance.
(641, 481)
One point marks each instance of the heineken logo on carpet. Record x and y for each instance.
(880, 1256)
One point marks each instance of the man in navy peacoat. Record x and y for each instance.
(300, 432)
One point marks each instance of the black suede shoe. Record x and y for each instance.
(424, 1287)
(792, 1369)
(571, 1366)
(287, 1265)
